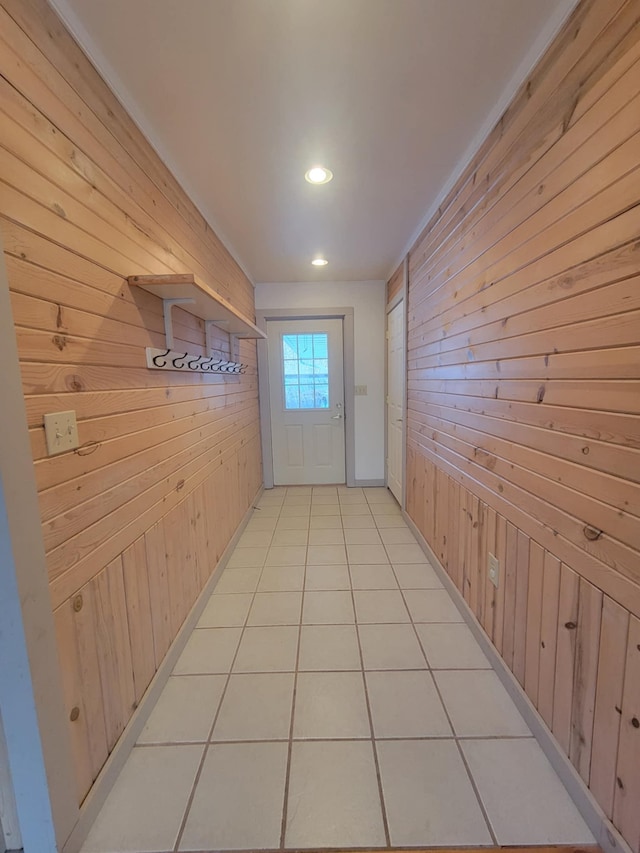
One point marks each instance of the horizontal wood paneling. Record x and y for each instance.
(524, 389)
(136, 519)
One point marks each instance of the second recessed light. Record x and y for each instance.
(319, 262)
(318, 175)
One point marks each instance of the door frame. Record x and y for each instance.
(400, 297)
(263, 317)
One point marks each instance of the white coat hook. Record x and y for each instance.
(167, 305)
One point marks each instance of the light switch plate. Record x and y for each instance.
(61, 432)
(494, 569)
(360, 391)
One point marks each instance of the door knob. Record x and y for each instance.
(336, 417)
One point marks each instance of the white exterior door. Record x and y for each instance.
(306, 388)
(395, 399)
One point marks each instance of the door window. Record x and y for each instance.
(306, 371)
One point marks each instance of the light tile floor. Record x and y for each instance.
(331, 696)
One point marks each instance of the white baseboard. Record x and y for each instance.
(603, 830)
(369, 483)
(106, 778)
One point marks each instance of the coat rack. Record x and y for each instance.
(200, 300)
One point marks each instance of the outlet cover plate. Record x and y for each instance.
(61, 432)
(493, 565)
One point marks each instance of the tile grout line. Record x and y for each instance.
(287, 778)
(205, 751)
(376, 760)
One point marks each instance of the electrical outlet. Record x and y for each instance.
(494, 569)
(61, 432)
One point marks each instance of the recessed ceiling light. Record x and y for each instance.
(318, 175)
(319, 262)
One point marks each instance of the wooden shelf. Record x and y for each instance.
(206, 304)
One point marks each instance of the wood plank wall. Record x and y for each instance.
(524, 399)
(135, 520)
(395, 284)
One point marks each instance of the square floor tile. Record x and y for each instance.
(325, 522)
(388, 521)
(237, 580)
(525, 801)
(405, 553)
(275, 608)
(238, 780)
(247, 558)
(429, 798)
(355, 509)
(492, 711)
(255, 539)
(326, 608)
(208, 651)
(384, 605)
(406, 705)
(373, 577)
(225, 611)
(326, 499)
(144, 809)
(367, 554)
(330, 705)
(379, 495)
(398, 536)
(281, 579)
(330, 536)
(294, 522)
(271, 500)
(358, 522)
(431, 605)
(185, 710)
(268, 511)
(287, 555)
(295, 511)
(260, 522)
(327, 577)
(324, 555)
(256, 707)
(329, 647)
(451, 647)
(352, 499)
(417, 576)
(319, 510)
(290, 537)
(362, 536)
(272, 649)
(334, 800)
(391, 647)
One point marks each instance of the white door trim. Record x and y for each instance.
(401, 296)
(262, 318)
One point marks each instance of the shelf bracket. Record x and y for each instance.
(167, 305)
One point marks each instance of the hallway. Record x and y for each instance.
(331, 696)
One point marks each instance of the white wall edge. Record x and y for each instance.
(113, 80)
(603, 830)
(116, 760)
(526, 66)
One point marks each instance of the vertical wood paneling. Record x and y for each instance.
(139, 620)
(523, 380)
(135, 520)
(626, 814)
(585, 676)
(534, 622)
(548, 636)
(608, 706)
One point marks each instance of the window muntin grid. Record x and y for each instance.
(306, 371)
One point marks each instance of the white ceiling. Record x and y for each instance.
(240, 97)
